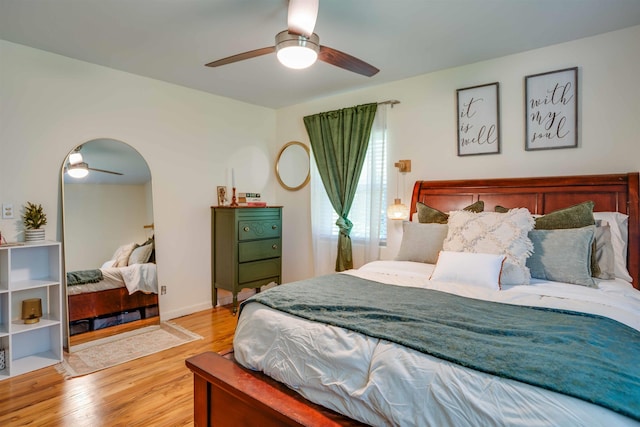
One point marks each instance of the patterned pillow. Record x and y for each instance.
(122, 254)
(427, 214)
(494, 233)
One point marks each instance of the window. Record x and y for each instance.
(369, 207)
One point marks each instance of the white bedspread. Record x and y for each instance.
(381, 383)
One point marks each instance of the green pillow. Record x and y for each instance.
(576, 216)
(427, 214)
(500, 209)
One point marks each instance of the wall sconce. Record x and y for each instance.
(31, 310)
(399, 210)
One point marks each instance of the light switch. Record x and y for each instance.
(7, 211)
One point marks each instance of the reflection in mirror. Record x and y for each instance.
(292, 166)
(109, 247)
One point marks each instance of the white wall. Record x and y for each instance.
(49, 104)
(423, 127)
(99, 218)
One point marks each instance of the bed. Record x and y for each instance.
(131, 287)
(384, 380)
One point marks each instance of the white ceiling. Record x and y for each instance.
(171, 40)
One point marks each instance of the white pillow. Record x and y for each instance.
(141, 254)
(619, 225)
(421, 242)
(108, 264)
(469, 268)
(494, 233)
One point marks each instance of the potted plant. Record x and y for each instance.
(33, 219)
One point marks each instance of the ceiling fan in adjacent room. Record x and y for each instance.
(299, 47)
(78, 168)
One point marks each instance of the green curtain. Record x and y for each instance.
(339, 140)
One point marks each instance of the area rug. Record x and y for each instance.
(106, 352)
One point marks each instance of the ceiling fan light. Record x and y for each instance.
(75, 158)
(297, 51)
(297, 57)
(78, 170)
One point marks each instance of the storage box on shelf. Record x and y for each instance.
(30, 271)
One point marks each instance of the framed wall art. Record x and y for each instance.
(551, 110)
(478, 109)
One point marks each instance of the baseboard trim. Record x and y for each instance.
(183, 311)
(223, 300)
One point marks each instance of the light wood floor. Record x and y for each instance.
(156, 390)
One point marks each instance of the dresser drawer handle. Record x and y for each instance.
(274, 247)
(246, 228)
(274, 227)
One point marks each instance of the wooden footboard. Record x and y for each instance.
(226, 394)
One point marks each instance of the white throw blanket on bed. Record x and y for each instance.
(140, 277)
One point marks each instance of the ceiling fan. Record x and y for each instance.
(298, 46)
(78, 168)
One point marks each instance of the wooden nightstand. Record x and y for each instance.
(245, 248)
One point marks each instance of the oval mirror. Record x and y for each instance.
(292, 166)
(107, 206)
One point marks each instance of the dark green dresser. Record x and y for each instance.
(246, 248)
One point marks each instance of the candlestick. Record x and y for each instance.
(233, 198)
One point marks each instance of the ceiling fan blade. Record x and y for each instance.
(242, 56)
(301, 18)
(105, 171)
(346, 61)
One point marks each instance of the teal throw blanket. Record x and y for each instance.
(585, 356)
(83, 276)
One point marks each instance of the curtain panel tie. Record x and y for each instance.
(345, 225)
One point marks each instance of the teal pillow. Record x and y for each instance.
(580, 215)
(429, 215)
(562, 255)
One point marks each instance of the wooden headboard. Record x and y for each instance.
(610, 193)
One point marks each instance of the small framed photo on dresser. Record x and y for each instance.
(478, 110)
(551, 110)
(222, 195)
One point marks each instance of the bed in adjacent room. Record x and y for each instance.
(123, 289)
(522, 312)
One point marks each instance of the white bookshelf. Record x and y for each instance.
(32, 270)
